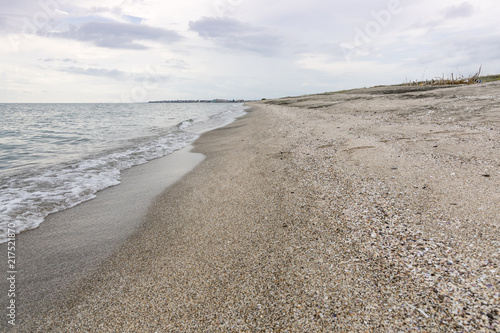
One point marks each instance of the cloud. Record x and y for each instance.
(3, 23)
(118, 35)
(465, 9)
(234, 34)
(177, 64)
(25, 7)
(149, 75)
(28, 16)
(58, 59)
(101, 9)
(132, 19)
(249, 48)
(92, 71)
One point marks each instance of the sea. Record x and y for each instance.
(55, 156)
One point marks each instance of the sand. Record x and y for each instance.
(370, 210)
(71, 244)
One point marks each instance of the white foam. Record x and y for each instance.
(26, 199)
(185, 124)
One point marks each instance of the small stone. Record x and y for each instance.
(493, 314)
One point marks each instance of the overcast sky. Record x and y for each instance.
(141, 50)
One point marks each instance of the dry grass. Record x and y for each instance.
(450, 80)
(490, 78)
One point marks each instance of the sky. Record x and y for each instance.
(92, 51)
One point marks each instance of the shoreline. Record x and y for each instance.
(60, 252)
(364, 210)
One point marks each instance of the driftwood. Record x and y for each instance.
(449, 80)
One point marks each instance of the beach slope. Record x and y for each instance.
(369, 210)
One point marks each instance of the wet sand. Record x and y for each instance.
(369, 210)
(71, 244)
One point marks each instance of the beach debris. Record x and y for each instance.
(419, 310)
(450, 80)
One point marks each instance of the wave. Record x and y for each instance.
(26, 199)
(185, 124)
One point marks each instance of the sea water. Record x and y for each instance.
(55, 156)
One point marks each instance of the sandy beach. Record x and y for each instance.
(369, 210)
(71, 244)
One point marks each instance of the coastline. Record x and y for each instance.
(60, 252)
(366, 210)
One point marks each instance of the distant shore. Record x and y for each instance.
(370, 210)
(201, 101)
